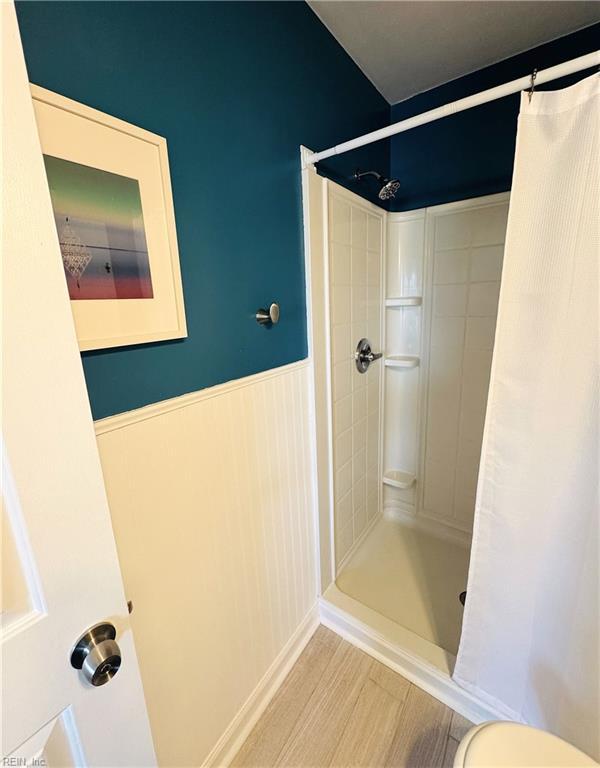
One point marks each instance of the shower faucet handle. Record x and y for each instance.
(364, 355)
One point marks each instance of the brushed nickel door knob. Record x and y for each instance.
(97, 654)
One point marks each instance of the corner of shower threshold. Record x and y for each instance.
(420, 661)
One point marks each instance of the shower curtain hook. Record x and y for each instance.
(532, 86)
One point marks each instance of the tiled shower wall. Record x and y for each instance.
(355, 257)
(467, 250)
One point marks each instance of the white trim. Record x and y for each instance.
(121, 420)
(304, 153)
(326, 331)
(383, 321)
(491, 94)
(416, 670)
(322, 538)
(242, 724)
(314, 206)
(89, 113)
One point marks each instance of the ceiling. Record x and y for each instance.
(405, 47)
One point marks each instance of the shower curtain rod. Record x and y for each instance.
(522, 83)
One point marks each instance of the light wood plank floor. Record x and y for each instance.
(339, 707)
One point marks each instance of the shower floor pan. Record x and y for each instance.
(402, 586)
(397, 598)
(411, 578)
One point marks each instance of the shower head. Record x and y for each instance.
(389, 187)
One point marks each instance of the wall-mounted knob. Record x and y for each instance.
(364, 356)
(97, 654)
(268, 316)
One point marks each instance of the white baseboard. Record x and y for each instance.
(240, 727)
(418, 671)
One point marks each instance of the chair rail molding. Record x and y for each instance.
(120, 420)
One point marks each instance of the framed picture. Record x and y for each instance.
(111, 195)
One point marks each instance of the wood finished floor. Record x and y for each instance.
(340, 707)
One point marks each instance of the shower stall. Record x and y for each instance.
(403, 309)
(399, 435)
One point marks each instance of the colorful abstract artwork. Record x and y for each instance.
(100, 230)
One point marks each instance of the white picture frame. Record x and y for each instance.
(82, 136)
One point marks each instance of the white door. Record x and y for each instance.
(60, 573)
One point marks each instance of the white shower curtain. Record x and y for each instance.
(530, 639)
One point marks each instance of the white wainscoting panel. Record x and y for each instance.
(212, 504)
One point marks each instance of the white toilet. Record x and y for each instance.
(512, 745)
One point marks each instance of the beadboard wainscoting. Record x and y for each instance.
(212, 502)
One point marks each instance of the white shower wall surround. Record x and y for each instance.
(417, 456)
(467, 247)
(448, 259)
(355, 264)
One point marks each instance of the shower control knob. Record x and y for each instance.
(268, 316)
(97, 654)
(364, 356)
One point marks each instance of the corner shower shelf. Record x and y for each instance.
(401, 361)
(404, 301)
(398, 479)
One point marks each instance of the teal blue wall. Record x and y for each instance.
(471, 153)
(235, 88)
